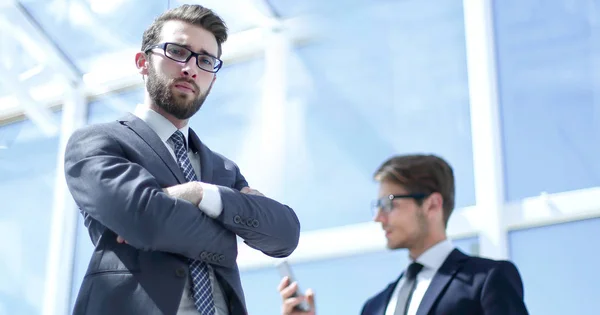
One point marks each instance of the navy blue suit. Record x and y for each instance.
(465, 285)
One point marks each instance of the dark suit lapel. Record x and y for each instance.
(151, 138)
(206, 165)
(380, 302)
(441, 279)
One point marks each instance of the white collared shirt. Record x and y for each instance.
(432, 259)
(210, 204)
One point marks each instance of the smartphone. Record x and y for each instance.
(285, 270)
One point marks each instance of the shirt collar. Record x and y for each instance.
(159, 124)
(435, 256)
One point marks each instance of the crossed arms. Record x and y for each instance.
(127, 199)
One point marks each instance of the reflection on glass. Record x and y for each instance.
(27, 176)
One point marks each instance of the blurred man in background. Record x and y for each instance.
(416, 199)
(162, 209)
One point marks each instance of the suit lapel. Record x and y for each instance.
(151, 138)
(381, 301)
(441, 279)
(206, 165)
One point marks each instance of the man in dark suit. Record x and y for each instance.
(162, 209)
(416, 198)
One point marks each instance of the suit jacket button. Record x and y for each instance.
(180, 272)
(203, 255)
(221, 258)
(249, 222)
(255, 223)
(237, 219)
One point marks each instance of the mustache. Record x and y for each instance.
(188, 81)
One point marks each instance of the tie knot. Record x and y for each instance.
(178, 138)
(413, 270)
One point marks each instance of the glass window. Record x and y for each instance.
(107, 28)
(28, 160)
(341, 285)
(559, 263)
(357, 95)
(548, 79)
(114, 106)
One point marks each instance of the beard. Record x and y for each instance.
(177, 104)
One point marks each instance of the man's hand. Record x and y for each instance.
(287, 307)
(250, 191)
(190, 191)
(120, 240)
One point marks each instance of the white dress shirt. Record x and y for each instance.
(210, 204)
(432, 259)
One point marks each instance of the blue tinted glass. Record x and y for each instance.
(104, 26)
(28, 160)
(341, 285)
(559, 263)
(549, 87)
(113, 106)
(346, 114)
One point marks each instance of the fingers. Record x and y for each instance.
(310, 297)
(283, 283)
(120, 240)
(250, 191)
(289, 290)
(257, 193)
(286, 290)
(288, 305)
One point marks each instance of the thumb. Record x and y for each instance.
(310, 297)
(245, 190)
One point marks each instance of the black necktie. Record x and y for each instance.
(407, 289)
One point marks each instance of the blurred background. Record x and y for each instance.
(314, 95)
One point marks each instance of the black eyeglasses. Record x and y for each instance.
(386, 204)
(182, 54)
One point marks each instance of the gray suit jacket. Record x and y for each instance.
(116, 172)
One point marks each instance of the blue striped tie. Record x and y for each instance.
(201, 288)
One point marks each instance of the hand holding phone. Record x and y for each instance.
(285, 270)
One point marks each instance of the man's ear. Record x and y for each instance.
(435, 202)
(142, 63)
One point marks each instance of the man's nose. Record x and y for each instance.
(190, 69)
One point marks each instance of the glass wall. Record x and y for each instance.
(559, 265)
(28, 160)
(357, 95)
(549, 83)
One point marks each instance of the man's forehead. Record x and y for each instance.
(193, 37)
(388, 187)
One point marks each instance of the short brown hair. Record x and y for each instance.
(419, 173)
(190, 13)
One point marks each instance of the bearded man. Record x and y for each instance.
(162, 210)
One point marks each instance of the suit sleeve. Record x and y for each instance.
(502, 291)
(263, 223)
(127, 199)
